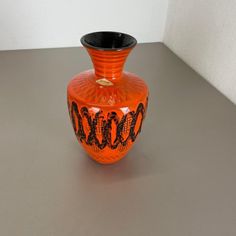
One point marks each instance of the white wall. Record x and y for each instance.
(203, 34)
(61, 23)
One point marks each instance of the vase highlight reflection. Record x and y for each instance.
(107, 105)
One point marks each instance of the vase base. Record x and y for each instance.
(106, 160)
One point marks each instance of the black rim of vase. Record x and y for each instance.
(108, 41)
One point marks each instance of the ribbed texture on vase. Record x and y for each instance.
(108, 64)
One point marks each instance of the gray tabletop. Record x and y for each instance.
(179, 179)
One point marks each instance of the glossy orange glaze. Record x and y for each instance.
(107, 106)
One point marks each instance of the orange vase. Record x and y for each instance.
(107, 105)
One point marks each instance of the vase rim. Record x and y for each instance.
(108, 41)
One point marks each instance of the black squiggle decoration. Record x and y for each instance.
(78, 116)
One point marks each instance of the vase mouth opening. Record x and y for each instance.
(108, 41)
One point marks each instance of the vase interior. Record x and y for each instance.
(108, 40)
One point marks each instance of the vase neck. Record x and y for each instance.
(108, 64)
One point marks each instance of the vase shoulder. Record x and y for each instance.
(88, 89)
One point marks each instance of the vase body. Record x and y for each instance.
(107, 105)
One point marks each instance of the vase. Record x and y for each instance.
(107, 105)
